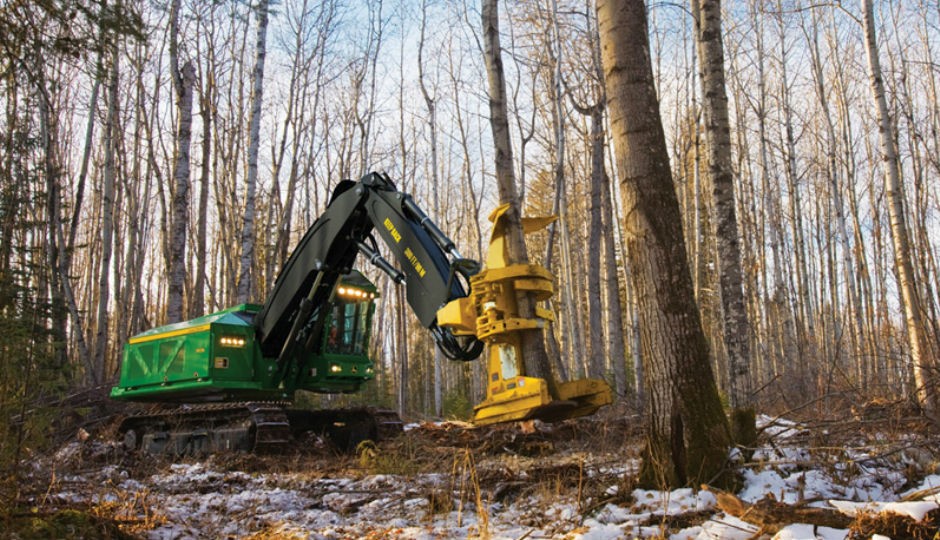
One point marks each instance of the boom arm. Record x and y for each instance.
(294, 313)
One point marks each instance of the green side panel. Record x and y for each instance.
(168, 360)
(216, 357)
(211, 358)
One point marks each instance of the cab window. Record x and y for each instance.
(347, 330)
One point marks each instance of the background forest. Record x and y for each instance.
(159, 159)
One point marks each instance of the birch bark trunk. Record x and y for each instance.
(431, 103)
(245, 285)
(707, 14)
(183, 80)
(198, 306)
(107, 222)
(923, 366)
(616, 352)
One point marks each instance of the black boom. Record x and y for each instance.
(293, 312)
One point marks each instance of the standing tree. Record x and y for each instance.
(533, 348)
(254, 143)
(431, 102)
(107, 220)
(601, 220)
(688, 434)
(903, 260)
(707, 14)
(183, 80)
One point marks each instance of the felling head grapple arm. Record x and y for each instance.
(293, 315)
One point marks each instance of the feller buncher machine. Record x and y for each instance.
(226, 379)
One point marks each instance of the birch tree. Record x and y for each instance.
(606, 339)
(183, 81)
(431, 102)
(707, 14)
(921, 360)
(245, 286)
(107, 220)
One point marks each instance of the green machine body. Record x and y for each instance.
(217, 358)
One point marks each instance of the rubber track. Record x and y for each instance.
(268, 421)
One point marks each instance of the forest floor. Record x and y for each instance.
(876, 473)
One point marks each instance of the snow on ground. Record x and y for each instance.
(205, 500)
(198, 502)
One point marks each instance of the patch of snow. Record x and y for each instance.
(673, 502)
(725, 527)
(600, 531)
(828, 533)
(798, 531)
(614, 514)
(779, 428)
(757, 484)
(929, 483)
(803, 531)
(916, 510)
(690, 533)
(785, 458)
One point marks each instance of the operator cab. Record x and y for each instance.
(350, 318)
(341, 361)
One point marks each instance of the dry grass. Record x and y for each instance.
(896, 527)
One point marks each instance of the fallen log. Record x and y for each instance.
(771, 515)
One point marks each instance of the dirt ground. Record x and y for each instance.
(574, 479)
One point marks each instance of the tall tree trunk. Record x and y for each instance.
(245, 285)
(707, 14)
(61, 295)
(778, 320)
(402, 345)
(571, 319)
(107, 220)
(183, 81)
(688, 434)
(614, 334)
(431, 102)
(923, 365)
(198, 306)
(833, 170)
(401, 321)
(86, 155)
(805, 301)
(533, 348)
(596, 236)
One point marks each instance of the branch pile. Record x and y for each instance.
(899, 521)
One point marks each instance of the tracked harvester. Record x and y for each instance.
(226, 379)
